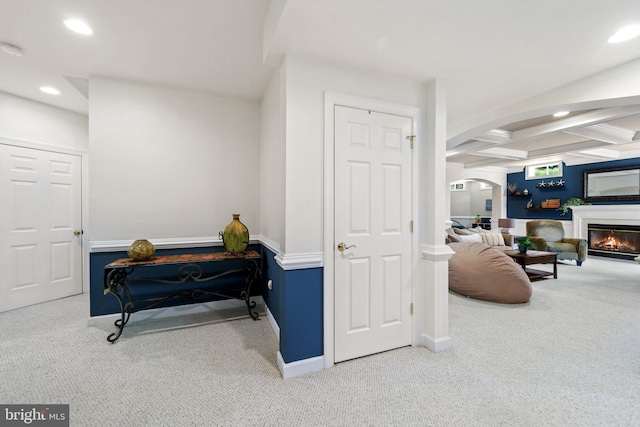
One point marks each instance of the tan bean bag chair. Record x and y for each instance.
(479, 271)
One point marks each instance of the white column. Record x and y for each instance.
(432, 288)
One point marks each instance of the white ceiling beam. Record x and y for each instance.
(591, 125)
(592, 121)
(503, 153)
(80, 84)
(471, 147)
(605, 133)
(590, 148)
(486, 140)
(598, 153)
(581, 120)
(486, 162)
(586, 145)
(270, 31)
(495, 136)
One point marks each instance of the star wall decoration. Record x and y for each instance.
(560, 183)
(542, 184)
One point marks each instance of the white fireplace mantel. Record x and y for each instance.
(603, 214)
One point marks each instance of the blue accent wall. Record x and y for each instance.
(273, 272)
(301, 331)
(296, 302)
(572, 175)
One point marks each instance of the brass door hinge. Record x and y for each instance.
(411, 226)
(411, 138)
(411, 308)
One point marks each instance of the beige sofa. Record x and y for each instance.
(495, 239)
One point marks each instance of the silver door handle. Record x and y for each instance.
(77, 232)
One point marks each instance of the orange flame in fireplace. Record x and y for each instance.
(610, 242)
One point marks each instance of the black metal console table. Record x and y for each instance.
(117, 282)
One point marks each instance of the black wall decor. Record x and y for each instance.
(611, 184)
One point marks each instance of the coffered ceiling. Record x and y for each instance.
(580, 137)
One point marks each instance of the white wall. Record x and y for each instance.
(23, 119)
(470, 202)
(168, 162)
(493, 175)
(272, 161)
(479, 198)
(460, 202)
(306, 83)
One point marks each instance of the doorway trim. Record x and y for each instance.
(84, 190)
(331, 100)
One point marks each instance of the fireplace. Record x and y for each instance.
(617, 241)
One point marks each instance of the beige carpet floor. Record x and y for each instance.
(570, 357)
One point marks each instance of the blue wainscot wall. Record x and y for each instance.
(572, 177)
(295, 302)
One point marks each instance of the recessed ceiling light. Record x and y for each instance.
(78, 26)
(561, 114)
(50, 90)
(624, 34)
(10, 49)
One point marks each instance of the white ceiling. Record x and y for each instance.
(212, 45)
(490, 53)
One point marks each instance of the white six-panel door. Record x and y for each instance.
(372, 215)
(40, 257)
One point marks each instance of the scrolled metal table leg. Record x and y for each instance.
(252, 274)
(114, 282)
(119, 323)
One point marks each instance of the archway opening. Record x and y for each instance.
(475, 202)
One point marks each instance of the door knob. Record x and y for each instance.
(342, 246)
(77, 232)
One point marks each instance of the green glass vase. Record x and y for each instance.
(235, 236)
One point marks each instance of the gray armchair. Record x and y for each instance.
(548, 235)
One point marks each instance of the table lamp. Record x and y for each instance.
(506, 224)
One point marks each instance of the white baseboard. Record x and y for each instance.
(436, 345)
(178, 310)
(272, 322)
(300, 367)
